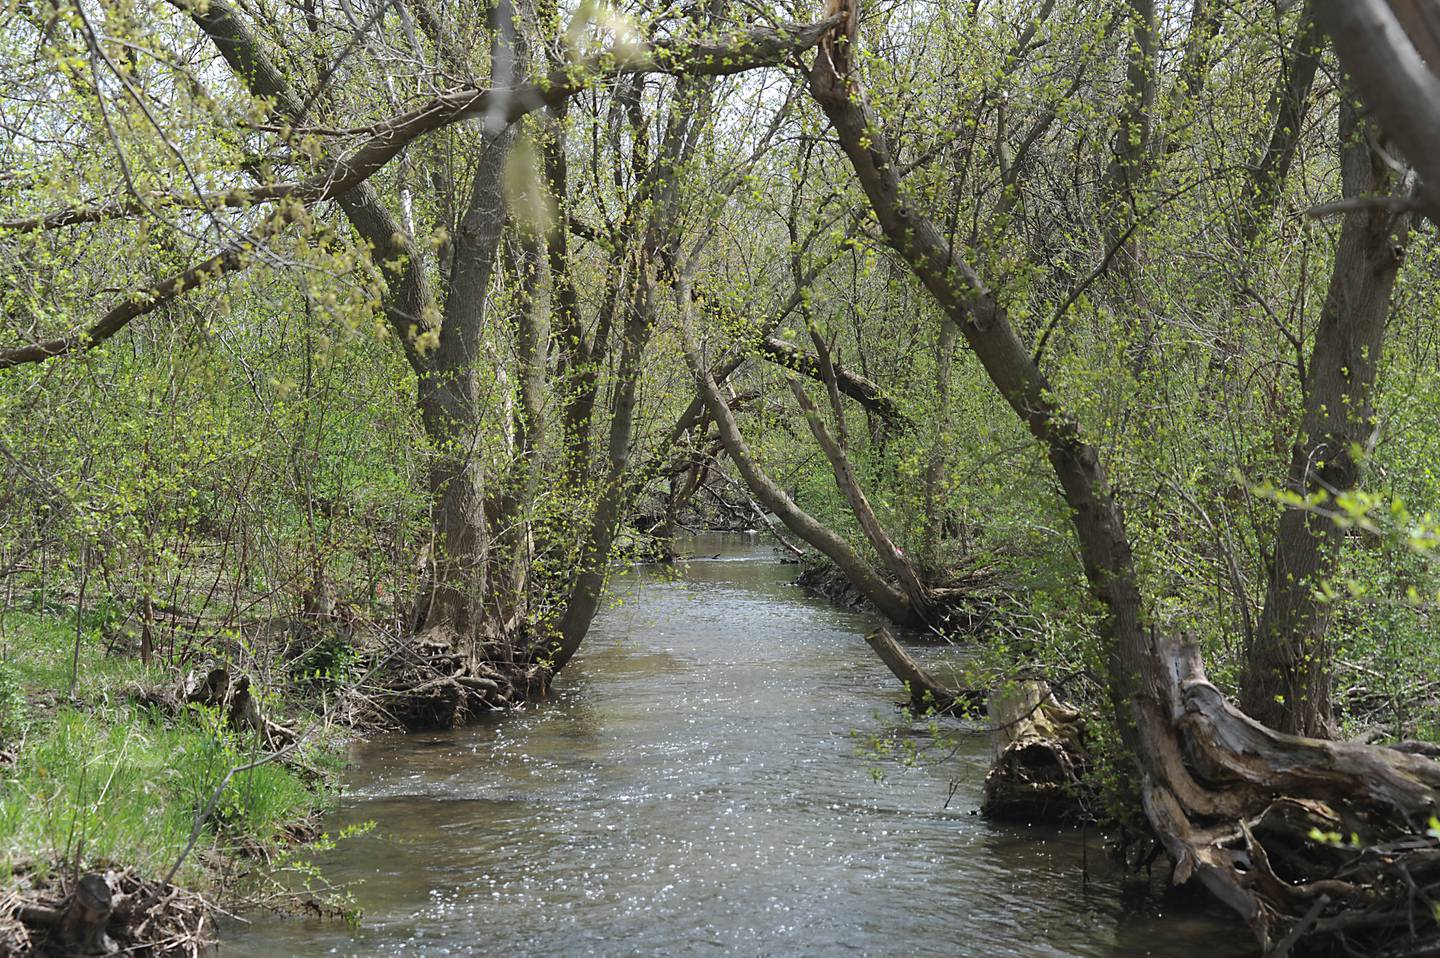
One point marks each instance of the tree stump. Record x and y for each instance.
(233, 699)
(82, 924)
(1039, 756)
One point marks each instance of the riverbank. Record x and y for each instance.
(105, 769)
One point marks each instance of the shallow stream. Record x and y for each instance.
(695, 788)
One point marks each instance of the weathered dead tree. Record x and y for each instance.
(1243, 804)
(231, 697)
(1040, 756)
(1039, 743)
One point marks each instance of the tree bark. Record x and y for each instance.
(449, 385)
(1288, 677)
(1389, 68)
(1289, 103)
(82, 926)
(932, 530)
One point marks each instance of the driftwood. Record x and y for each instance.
(1039, 756)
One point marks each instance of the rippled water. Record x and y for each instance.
(694, 789)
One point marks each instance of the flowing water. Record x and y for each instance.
(695, 788)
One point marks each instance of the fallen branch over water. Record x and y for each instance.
(925, 690)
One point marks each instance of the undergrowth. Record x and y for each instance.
(102, 776)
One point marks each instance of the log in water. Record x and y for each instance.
(694, 789)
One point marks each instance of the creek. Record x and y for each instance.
(697, 786)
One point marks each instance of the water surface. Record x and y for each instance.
(694, 788)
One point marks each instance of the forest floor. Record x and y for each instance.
(106, 769)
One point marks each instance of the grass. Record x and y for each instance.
(101, 777)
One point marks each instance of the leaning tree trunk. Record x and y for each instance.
(918, 600)
(889, 600)
(1233, 802)
(446, 384)
(1288, 675)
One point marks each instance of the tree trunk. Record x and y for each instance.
(1039, 756)
(1130, 158)
(584, 599)
(450, 407)
(932, 529)
(925, 690)
(82, 926)
(1233, 802)
(654, 241)
(1289, 103)
(1287, 677)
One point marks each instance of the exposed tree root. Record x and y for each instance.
(1307, 839)
(433, 686)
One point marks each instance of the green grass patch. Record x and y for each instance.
(101, 777)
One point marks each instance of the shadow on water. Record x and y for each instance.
(694, 788)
